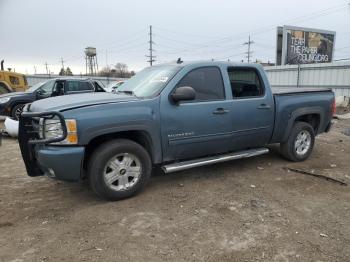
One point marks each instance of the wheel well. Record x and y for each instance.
(140, 137)
(16, 104)
(312, 119)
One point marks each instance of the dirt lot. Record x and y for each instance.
(247, 210)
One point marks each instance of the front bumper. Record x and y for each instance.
(63, 163)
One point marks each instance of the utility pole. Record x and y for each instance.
(249, 52)
(150, 56)
(34, 70)
(47, 69)
(62, 61)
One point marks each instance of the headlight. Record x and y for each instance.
(52, 128)
(4, 100)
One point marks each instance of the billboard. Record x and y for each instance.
(298, 45)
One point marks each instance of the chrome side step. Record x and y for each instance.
(212, 160)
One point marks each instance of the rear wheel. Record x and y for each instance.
(300, 142)
(119, 169)
(17, 111)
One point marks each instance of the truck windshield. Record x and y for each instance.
(150, 81)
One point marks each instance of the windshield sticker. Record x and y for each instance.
(161, 79)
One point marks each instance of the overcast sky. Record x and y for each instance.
(35, 31)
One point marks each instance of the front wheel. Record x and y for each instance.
(17, 111)
(300, 142)
(119, 169)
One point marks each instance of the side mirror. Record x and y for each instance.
(183, 93)
(39, 93)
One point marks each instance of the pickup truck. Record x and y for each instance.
(173, 117)
(12, 104)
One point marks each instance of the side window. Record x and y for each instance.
(71, 86)
(207, 82)
(85, 86)
(245, 82)
(78, 86)
(47, 87)
(14, 80)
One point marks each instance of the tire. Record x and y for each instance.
(16, 111)
(300, 142)
(113, 169)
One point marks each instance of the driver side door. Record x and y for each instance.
(199, 127)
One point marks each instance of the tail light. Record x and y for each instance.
(333, 107)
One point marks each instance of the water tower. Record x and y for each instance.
(91, 61)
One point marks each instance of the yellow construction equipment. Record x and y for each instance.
(12, 80)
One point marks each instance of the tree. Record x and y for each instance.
(122, 70)
(119, 70)
(106, 72)
(62, 72)
(68, 72)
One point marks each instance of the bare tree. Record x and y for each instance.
(106, 71)
(121, 70)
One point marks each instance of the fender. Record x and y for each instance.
(301, 112)
(154, 140)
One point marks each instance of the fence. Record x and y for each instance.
(34, 79)
(330, 75)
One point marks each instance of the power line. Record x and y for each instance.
(206, 45)
(249, 52)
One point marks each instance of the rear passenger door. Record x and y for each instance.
(251, 109)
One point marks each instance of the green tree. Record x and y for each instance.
(68, 72)
(62, 72)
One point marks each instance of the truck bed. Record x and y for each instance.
(295, 90)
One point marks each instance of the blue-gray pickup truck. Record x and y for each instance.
(173, 117)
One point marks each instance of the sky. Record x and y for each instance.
(33, 32)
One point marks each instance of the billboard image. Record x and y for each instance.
(306, 46)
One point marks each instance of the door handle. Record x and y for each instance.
(220, 111)
(264, 106)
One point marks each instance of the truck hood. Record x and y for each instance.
(63, 103)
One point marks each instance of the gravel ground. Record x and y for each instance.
(246, 210)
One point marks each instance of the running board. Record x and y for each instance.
(212, 160)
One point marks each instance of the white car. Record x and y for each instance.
(112, 87)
